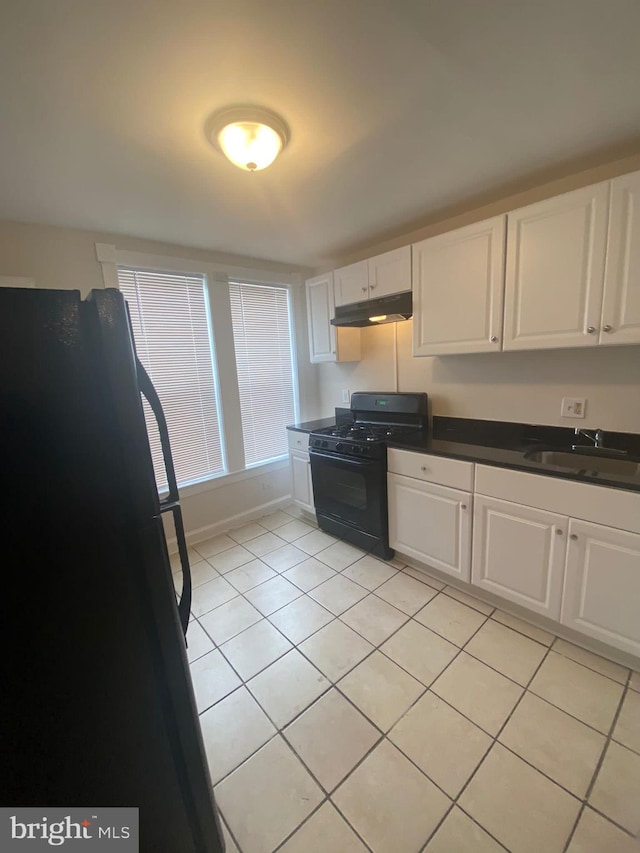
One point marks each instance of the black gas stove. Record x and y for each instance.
(365, 440)
(349, 469)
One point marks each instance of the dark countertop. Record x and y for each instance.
(515, 460)
(504, 444)
(311, 426)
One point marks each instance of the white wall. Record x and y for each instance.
(525, 387)
(64, 258)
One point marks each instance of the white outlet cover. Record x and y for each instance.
(573, 407)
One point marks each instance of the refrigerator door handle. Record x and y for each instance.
(171, 503)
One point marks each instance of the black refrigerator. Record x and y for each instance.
(96, 699)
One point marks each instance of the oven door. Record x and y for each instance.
(351, 491)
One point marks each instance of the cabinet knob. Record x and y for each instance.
(591, 330)
(607, 328)
(298, 441)
(372, 286)
(573, 536)
(463, 506)
(423, 467)
(493, 339)
(363, 289)
(559, 531)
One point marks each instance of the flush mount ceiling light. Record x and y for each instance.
(251, 137)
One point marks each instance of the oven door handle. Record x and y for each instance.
(319, 455)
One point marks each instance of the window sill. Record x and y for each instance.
(227, 479)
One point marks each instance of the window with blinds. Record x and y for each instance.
(262, 337)
(173, 341)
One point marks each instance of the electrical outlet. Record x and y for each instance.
(346, 398)
(573, 407)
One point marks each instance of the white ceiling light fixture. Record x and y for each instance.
(251, 137)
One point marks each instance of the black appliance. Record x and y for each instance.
(98, 708)
(349, 466)
(375, 312)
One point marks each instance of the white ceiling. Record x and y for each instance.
(397, 109)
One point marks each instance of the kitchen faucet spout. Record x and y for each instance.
(597, 438)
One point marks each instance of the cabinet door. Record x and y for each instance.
(602, 585)
(390, 273)
(458, 285)
(518, 553)
(621, 305)
(431, 523)
(301, 479)
(320, 310)
(555, 271)
(351, 283)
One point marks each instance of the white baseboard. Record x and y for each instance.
(218, 527)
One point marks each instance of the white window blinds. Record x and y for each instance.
(264, 358)
(173, 341)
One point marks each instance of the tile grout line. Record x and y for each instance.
(332, 684)
(410, 618)
(598, 767)
(494, 739)
(384, 735)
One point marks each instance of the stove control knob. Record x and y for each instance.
(324, 443)
(339, 446)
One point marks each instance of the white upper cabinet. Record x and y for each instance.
(320, 310)
(555, 271)
(390, 272)
(621, 305)
(458, 285)
(351, 283)
(380, 276)
(326, 343)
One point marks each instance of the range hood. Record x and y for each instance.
(375, 312)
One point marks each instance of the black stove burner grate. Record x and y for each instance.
(369, 433)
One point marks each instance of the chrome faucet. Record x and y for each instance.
(597, 438)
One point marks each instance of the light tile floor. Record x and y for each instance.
(349, 704)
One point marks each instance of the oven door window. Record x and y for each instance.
(350, 490)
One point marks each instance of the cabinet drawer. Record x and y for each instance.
(432, 469)
(590, 502)
(298, 440)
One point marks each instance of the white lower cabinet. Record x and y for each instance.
(430, 506)
(431, 523)
(519, 553)
(546, 544)
(602, 585)
(301, 486)
(301, 479)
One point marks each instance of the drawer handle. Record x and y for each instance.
(559, 531)
(573, 536)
